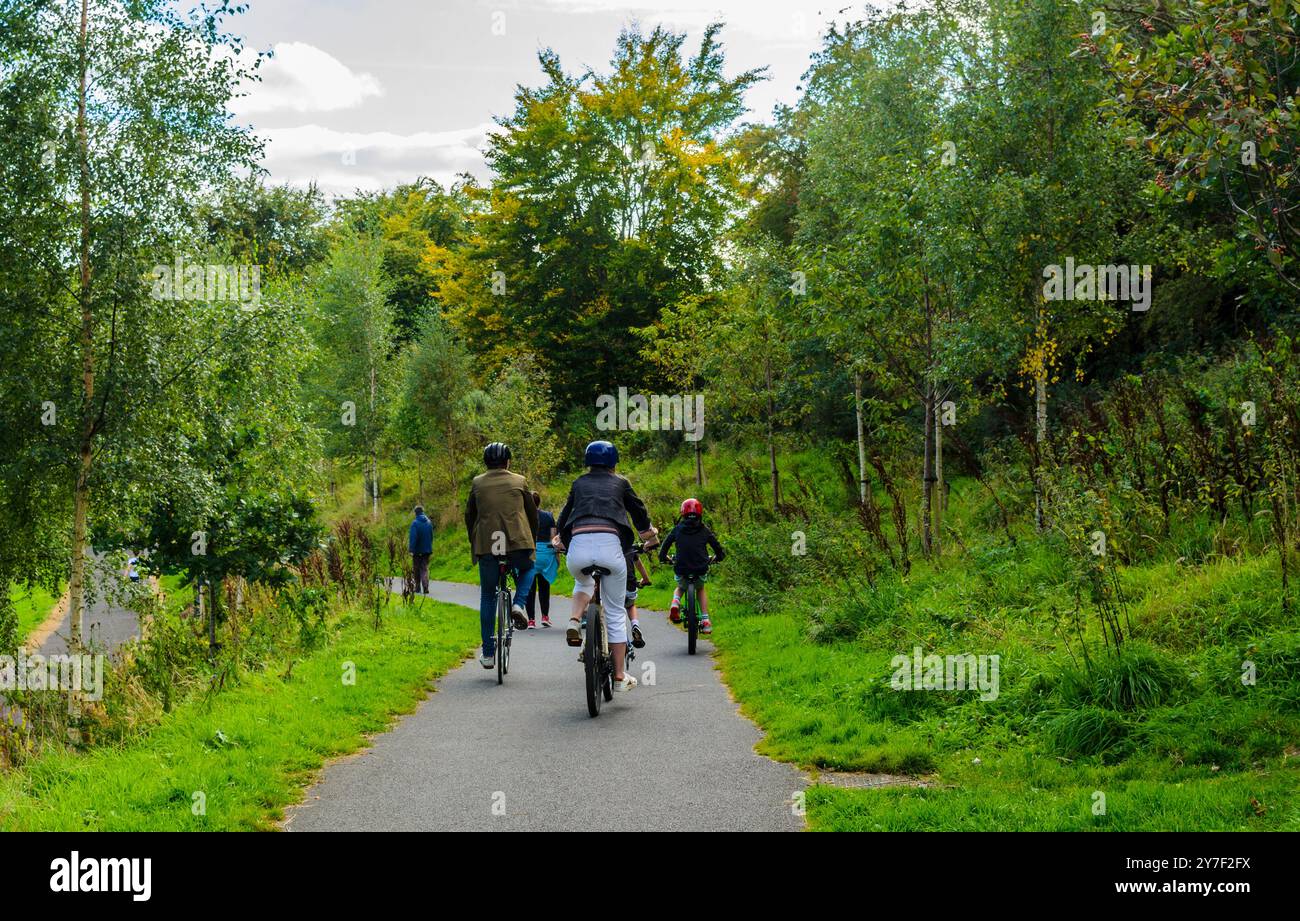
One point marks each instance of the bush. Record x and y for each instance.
(1087, 731)
(1136, 678)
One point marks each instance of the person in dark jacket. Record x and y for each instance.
(693, 540)
(594, 527)
(547, 567)
(419, 542)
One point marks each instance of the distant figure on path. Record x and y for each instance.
(547, 567)
(420, 543)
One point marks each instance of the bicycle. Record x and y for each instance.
(691, 617)
(597, 660)
(505, 627)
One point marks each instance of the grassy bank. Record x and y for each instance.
(1164, 735)
(32, 605)
(251, 749)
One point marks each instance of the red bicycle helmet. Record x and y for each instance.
(693, 507)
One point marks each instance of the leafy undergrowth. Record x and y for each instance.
(251, 749)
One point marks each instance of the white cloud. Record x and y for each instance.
(778, 21)
(303, 78)
(343, 161)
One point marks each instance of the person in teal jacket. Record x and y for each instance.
(547, 567)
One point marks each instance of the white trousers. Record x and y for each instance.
(605, 550)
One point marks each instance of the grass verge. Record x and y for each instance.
(252, 749)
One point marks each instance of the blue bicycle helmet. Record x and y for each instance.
(601, 454)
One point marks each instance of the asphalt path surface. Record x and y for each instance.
(672, 755)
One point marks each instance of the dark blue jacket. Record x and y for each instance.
(420, 539)
(602, 493)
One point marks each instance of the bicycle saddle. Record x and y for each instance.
(596, 570)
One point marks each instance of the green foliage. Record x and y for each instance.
(611, 189)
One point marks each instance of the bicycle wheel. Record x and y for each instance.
(606, 661)
(510, 633)
(692, 619)
(592, 662)
(503, 612)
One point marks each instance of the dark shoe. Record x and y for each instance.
(638, 641)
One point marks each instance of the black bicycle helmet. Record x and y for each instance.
(496, 454)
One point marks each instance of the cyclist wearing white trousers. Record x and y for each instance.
(594, 527)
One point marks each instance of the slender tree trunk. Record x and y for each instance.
(86, 442)
(374, 453)
(771, 438)
(927, 473)
(215, 587)
(699, 464)
(862, 439)
(453, 461)
(1040, 437)
(941, 499)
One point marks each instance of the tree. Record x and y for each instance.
(126, 105)
(1212, 87)
(749, 351)
(242, 506)
(279, 228)
(611, 190)
(433, 407)
(411, 220)
(873, 221)
(1043, 180)
(354, 332)
(518, 410)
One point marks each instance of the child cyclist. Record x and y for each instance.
(693, 540)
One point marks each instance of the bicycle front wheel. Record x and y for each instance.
(692, 619)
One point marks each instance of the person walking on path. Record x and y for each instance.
(501, 519)
(419, 542)
(546, 568)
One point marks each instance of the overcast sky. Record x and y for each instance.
(369, 93)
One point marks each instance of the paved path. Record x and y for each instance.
(107, 627)
(672, 756)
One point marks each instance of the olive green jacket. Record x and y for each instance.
(500, 502)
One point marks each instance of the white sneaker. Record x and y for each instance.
(487, 661)
(519, 616)
(627, 684)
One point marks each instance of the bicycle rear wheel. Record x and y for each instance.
(692, 619)
(592, 663)
(503, 649)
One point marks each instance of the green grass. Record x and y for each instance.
(1167, 731)
(251, 749)
(32, 604)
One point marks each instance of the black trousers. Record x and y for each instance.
(421, 564)
(542, 589)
